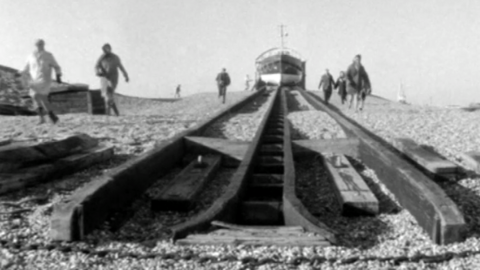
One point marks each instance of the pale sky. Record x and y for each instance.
(433, 46)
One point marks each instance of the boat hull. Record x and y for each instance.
(280, 69)
(281, 79)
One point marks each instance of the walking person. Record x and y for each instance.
(223, 80)
(107, 69)
(177, 91)
(341, 84)
(358, 83)
(39, 69)
(328, 83)
(247, 82)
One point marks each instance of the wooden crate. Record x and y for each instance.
(70, 101)
(82, 101)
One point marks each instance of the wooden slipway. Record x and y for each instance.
(434, 211)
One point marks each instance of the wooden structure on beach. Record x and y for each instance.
(78, 101)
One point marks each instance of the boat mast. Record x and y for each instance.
(282, 35)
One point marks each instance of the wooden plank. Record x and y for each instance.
(43, 152)
(29, 176)
(295, 213)
(353, 194)
(434, 211)
(426, 158)
(301, 241)
(89, 206)
(223, 208)
(343, 146)
(183, 191)
(258, 233)
(231, 226)
(5, 142)
(229, 149)
(472, 159)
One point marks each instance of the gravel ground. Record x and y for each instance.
(392, 233)
(243, 125)
(308, 123)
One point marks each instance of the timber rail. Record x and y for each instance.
(89, 206)
(434, 211)
(261, 197)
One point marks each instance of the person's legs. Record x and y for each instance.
(42, 100)
(40, 110)
(362, 97)
(220, 91)
(355, 99)
(224, 93)
(111, 101)
(328, 94)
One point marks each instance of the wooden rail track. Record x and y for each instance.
(89, 206)
(261, 196)
(434, 211)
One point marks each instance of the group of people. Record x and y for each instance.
(40, 63)
(39, 68)
(353, 82)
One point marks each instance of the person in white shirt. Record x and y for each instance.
(39, 68)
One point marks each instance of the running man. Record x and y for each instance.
(328, 83)
(177, 91)
(107, 69)
(358, 83)
(39, 68)
(223, 80)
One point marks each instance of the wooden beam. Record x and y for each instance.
(181, 194)
(426, 158)
(434, 211)
(353, 194)
(236, 238)
(33, 175)
(294, 212)
(472, 159)
(90, 205)
(224, 207)
(342, 146)
(26, 152)
(232, 151)
(231, 226)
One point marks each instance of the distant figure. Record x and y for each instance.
(177, 91)
(341, 84)
(39, 67)
(223, 80)
(401, 97)
(358, 83)
(328, 83)
(247, 83)
(107, 69)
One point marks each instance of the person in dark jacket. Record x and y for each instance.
(328, 83)
(341, 84)
(358, 83)
(107, 69)
(223, 80)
